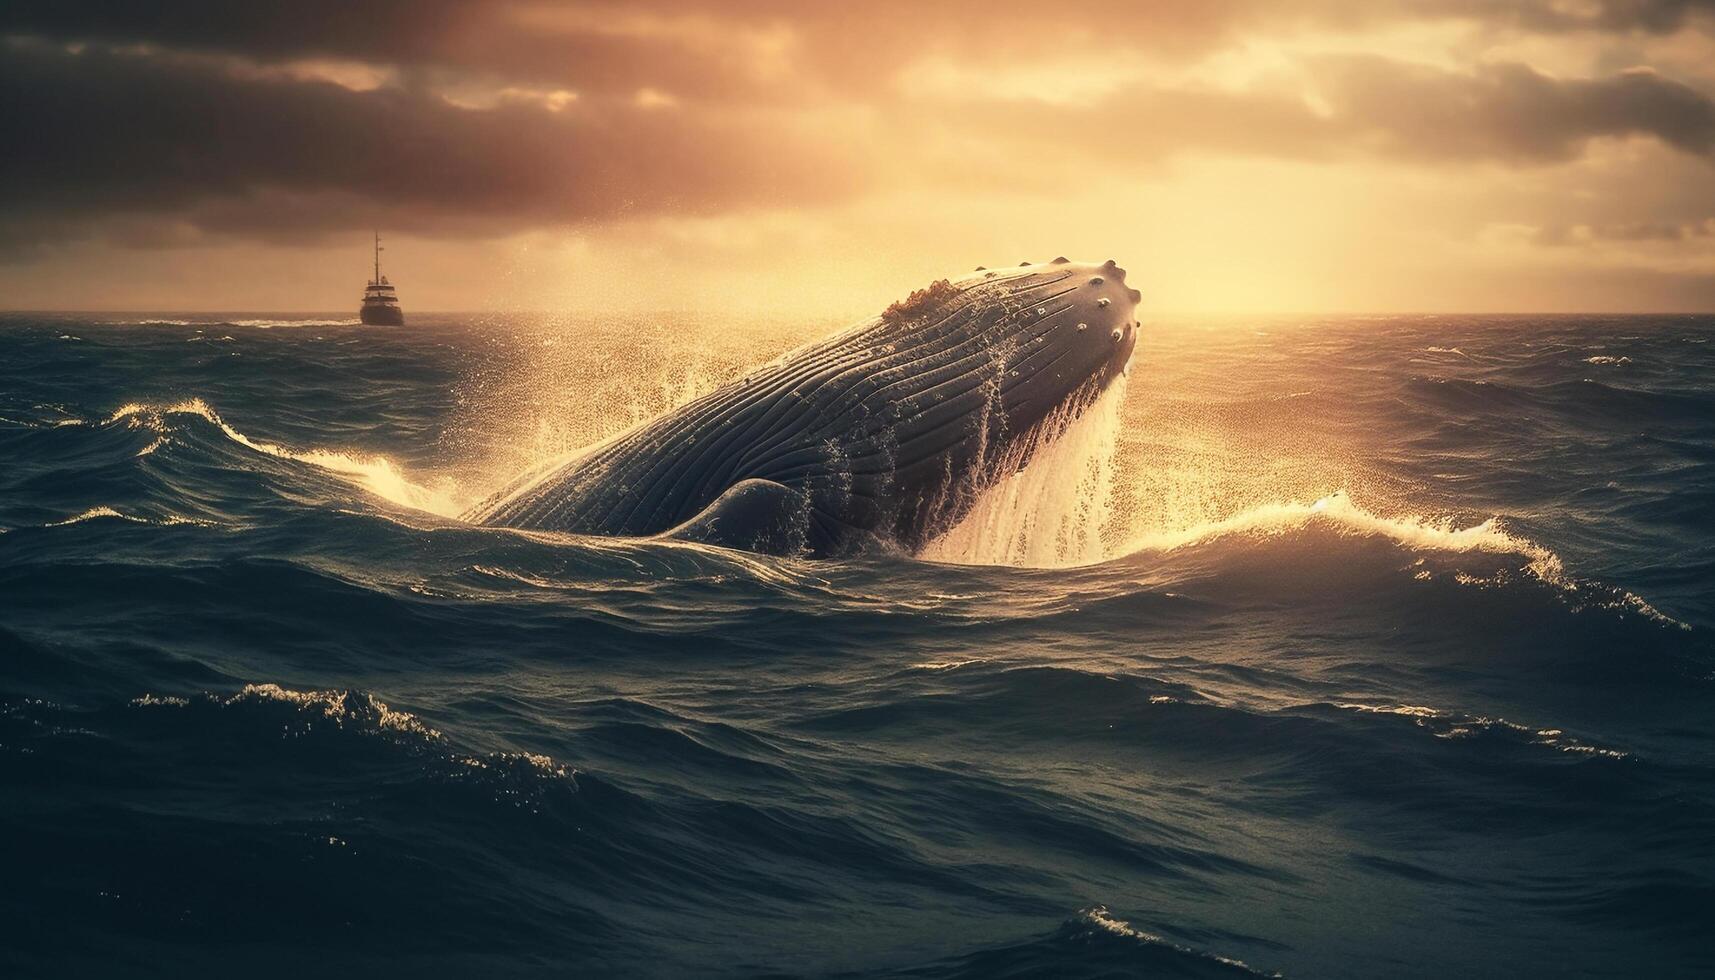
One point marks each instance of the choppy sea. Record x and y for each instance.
(1360, 647)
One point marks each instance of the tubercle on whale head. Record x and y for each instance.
(1096, 318)
(1079, 317)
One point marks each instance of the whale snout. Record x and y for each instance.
(1107, 311)
(1074, 333)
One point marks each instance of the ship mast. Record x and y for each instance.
(378, 256)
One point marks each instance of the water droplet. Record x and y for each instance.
(1083, 327)
(1117, 334)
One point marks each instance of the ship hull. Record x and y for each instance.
(382, 316)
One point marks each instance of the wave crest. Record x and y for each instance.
(374, 473)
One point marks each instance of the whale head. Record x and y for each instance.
(1072, 335)
(995, 358)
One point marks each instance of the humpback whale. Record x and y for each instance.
(888, 431)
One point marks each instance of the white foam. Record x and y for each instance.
(1340, 512)
(1052, 513)
(340, 706)
(946, 665)
(1606, 359)
(1407, 710)
(104, 512)
(96, 513)
(1102, 919)
(1448, 725)
(269, 324)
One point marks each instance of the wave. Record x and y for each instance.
(1453, 725)
(104, 512)
(312, 322)
(1101, 918)
(1093, 943)
(1340, 512)
(264, 323)
(1448, 350)
(360, 713)
(374, 473)
(1039, 518)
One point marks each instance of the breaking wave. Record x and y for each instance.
(374, 473)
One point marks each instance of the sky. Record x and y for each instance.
(781, 156)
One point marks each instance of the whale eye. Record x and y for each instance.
(1083, 327)
(1096, 281)
(1103, 302)
(1117, 334)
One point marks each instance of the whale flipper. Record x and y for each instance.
(753, 515)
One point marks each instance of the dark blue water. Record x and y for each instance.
(1400, 665)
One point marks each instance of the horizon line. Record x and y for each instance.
(350, 314)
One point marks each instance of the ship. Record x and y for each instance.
(380, 302)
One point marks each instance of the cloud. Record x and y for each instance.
(760, 50)
(1649, 16)
(1357, 107)
(1630, 232)
(1511, 112)
(114, 132)
(167, 127)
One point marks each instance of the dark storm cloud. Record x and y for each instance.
(1372, 107)
(516, 42)
(1511, 112)
(1650, 16)
(709, 50)
(101, 131)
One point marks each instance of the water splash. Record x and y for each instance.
(1054, 512)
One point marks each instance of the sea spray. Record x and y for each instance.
(1053, 512)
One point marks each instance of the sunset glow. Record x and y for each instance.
(1310, 156)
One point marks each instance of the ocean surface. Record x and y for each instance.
(1337, 647)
